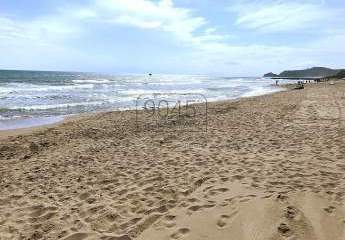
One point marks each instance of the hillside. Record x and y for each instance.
(270, 75)
(310, 72)
(340, 74)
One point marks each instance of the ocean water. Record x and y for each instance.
(27, 95)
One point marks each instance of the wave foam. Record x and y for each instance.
(94, 81)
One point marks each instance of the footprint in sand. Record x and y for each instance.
(284, 229)
(77, 236)
(195, 208)
(84, 196)
(214, 192)
(330, 209)
(40, 210)
(180, 233)
(169, 221)
(193, 200)
(42, 218)
(291, 212)
(224, 219)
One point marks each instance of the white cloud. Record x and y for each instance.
(41, 31)
(160, 15)
(12, 30)
(211, 48)
(37, 43)
(208, 50)
(283, 16)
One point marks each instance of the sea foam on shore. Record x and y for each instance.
(31, 94)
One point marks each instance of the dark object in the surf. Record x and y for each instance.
(150, 74)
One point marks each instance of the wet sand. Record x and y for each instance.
(268, 167)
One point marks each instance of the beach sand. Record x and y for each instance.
(268, 167)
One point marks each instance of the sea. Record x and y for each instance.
(33, 98)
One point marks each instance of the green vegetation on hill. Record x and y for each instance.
(340, 74)
(310, 73)
(268, 75)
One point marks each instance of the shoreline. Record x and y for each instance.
(272, 165)
(63, 118)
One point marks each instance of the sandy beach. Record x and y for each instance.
(268, 167)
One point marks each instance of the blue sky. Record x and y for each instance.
(223, 37)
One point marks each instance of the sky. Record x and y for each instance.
(211, 37)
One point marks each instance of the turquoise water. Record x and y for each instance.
(33, 94)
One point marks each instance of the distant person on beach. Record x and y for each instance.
(277, 82)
